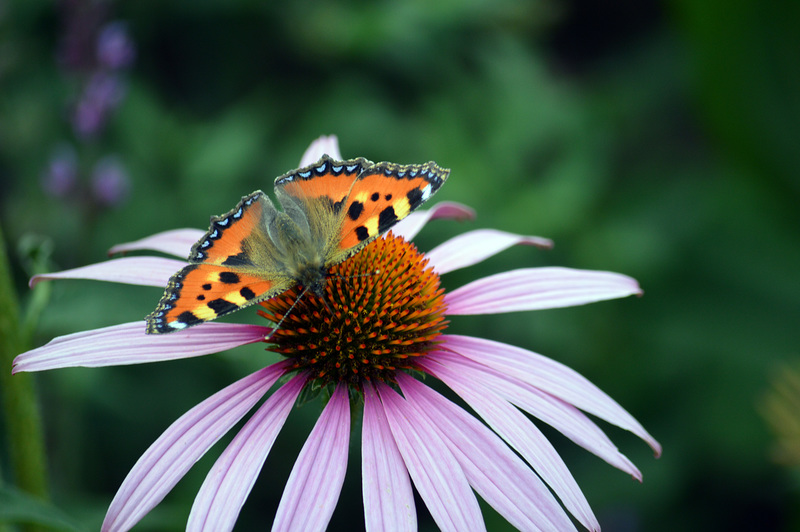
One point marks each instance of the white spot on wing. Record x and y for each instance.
(426, 193)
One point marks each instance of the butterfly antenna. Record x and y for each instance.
(291, 308)
(376, 271)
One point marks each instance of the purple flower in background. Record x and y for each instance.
(110, 182)
(61, 175)
(98, 52)
(115, 49)
(102, 94)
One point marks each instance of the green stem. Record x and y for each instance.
(23, 420)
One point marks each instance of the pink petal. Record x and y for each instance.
(558, 414)
(128, 344)
(551, 377)
(177, 242)
(472, 247)
(388, 497)
(437, 475)
(314, 485)
(148, 271)
(412, 224)
(229, 482)
(538, 288)
(182, 444)
(500, 477)
(324, 145)
(514, 427)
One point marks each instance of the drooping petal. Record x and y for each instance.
(182, 444)
(177, 242)
(560, 415)
(313, 488)
(128, 344)
(551, 377)
(412, 224)
(472, 247)
(514, 427)
(230, 480)
(326, 144)
(538, 288)
(436, 473)
(148, 271)
(500, 477)
(386, 487)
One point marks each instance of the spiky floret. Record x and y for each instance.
(383, 308)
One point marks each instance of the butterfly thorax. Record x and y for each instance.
(303, 256)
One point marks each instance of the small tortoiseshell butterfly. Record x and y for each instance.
(331, 210)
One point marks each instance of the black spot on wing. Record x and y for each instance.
(386, 219)
(355, 210)
(362, 233)
(188, 318)
(201, 297)
(247, 293)
(228, 277)
(221, 306)
(207, 286)
(414, 198)
(375, 196)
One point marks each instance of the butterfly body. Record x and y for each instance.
(330, 211)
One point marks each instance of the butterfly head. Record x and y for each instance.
(313, 279)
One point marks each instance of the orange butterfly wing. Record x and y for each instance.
(384, 194)
(326, 179)
(230, 268)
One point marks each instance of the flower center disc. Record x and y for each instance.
(383, 307)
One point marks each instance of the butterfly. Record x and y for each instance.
(331, 210)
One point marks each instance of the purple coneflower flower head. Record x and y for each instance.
(110, 182)
(383, 325)
(61, 175)
(115, 49)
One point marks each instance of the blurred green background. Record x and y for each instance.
(656, 139)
